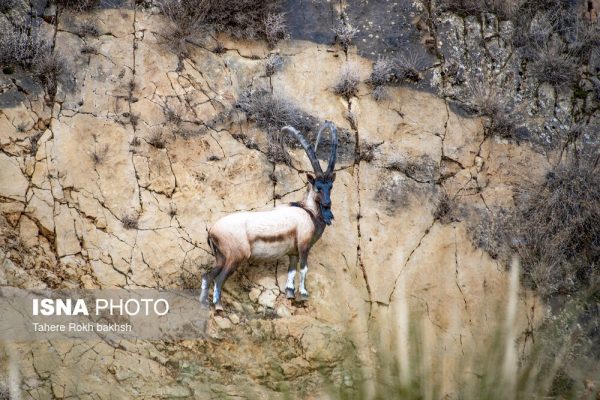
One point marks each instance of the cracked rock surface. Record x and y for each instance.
(114, 182)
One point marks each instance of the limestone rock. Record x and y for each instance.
(267, 298)
(12, 182)
(223, 323)
(254, 294)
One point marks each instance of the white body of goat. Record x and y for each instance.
(262, 235)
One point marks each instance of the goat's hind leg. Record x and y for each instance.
(219, 281)
(207, 279)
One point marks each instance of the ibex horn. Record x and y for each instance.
(307, 148)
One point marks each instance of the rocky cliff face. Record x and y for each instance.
(113, 181)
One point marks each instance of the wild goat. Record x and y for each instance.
(291, 229)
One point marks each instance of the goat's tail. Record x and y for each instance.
(211, 243)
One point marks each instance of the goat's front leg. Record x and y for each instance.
(303, 271)
(207, 279)
(289, 287)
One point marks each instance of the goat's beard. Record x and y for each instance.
(326, 214)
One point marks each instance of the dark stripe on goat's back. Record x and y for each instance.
(277, 237)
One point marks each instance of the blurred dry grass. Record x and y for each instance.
(407, 361)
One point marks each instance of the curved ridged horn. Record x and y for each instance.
(334, 143)
(307, 148)
(318, 139)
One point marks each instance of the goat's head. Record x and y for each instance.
(322, 182)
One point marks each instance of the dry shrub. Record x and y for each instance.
(173, 113)
(247, 19)
(246, 141)
(219, 48)
(27, 48)
(130, 221)
(88, 28)
(406, 67)
(557, 228)
(99, 153)
(380, 93)
(382, 72)
(24, 47)
(5, 6)
(504, 9)
(366, 150)
(447, 209)
(423, 169)
(275, 28)
(491, 233)
(49, 70)
(553, 65)
(344, 33)
(272, 113)
(276, 152)
(463, 7)
(347, 85)
(78, 5)
(554, 229)
(556, 40)
(89, 49)
(489, 102)
(533, 34)
(157, 139)
(273, 64)
(396, 192)
(533, 6)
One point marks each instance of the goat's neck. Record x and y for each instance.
(310, 201)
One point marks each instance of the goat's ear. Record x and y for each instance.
(311, 179)
(333, 177)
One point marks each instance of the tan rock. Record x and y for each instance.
(267, 282)
(12, 182)
(463, 139)
(234, 319)
(267, 298)
(295, 367)
(283, 311)
(107, 275)
(28, 231)
(254, 294)
(67, 240)
(40, 208)
(223, 323)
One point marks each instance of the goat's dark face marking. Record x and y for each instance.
(323, 188)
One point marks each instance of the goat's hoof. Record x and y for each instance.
(204, 305)
(303, 296)
(218, 307)
(289, 293)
